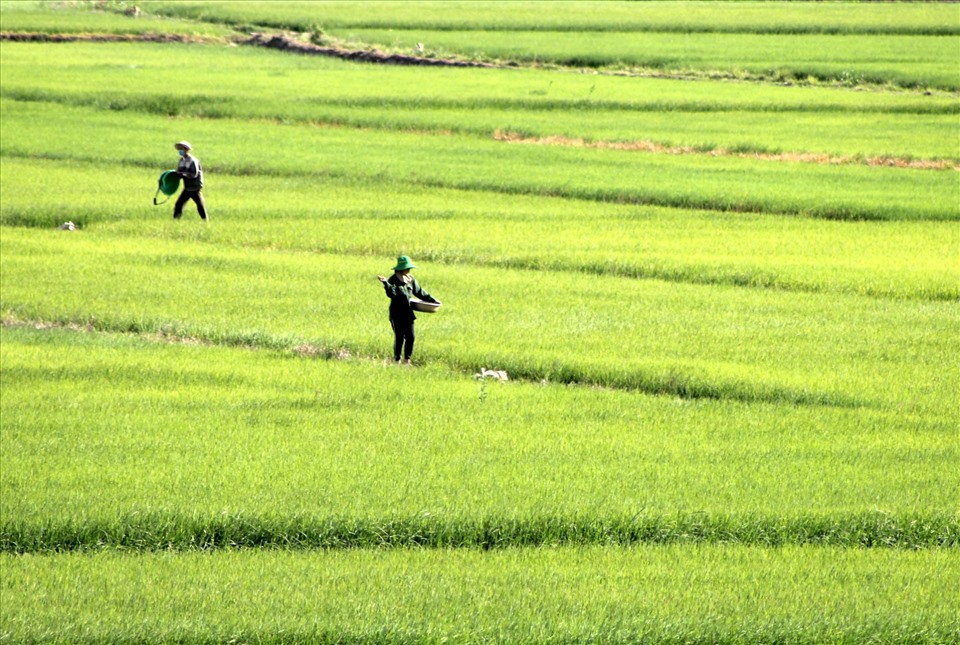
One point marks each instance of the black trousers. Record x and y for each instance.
(402, 338)
(196, 196)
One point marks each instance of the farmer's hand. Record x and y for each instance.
(381, 278)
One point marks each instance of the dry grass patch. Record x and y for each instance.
(658, 148)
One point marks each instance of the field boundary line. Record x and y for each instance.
(153, 531)
(279, 42)
(507, 136)
(283, 42)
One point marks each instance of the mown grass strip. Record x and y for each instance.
(151, 531)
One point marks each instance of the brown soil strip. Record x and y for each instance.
(278, 41)
(286, 43)
(652, 146)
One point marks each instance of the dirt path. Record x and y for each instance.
(286, 43)
(281, 42)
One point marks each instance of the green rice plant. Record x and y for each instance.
(257, 84)
(689, 340)
(123, 441)
(848, 137)
(278, 79)
(841, 137)
(907, 61)
(709, 434)
(682, 17)
(686, 181)
(910, 260)
(62, 18)
(653, 594)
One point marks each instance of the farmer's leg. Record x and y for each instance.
(397, 339)
(178, 207)
(408, 332)
(198, 199)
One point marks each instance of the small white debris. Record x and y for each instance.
(67, 226)
(484, 373)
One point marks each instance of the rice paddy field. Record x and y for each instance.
(715, 245)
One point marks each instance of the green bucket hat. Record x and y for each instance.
(403, 262)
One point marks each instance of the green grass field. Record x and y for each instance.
(728, 306)
(701, 115)
(723, 594)
(684, 17)
(277, 427)
(906, 60)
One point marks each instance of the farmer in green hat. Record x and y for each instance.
(401, 287)
(189, 169)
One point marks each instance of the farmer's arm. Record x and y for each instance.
(391, 290)
(420, 293)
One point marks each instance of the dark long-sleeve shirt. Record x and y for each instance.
(400, 295)
(189, 168)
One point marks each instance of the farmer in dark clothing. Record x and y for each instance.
(401, 288)
(189, 169)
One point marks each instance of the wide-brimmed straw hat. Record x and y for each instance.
(183, 144)
(404, 263)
